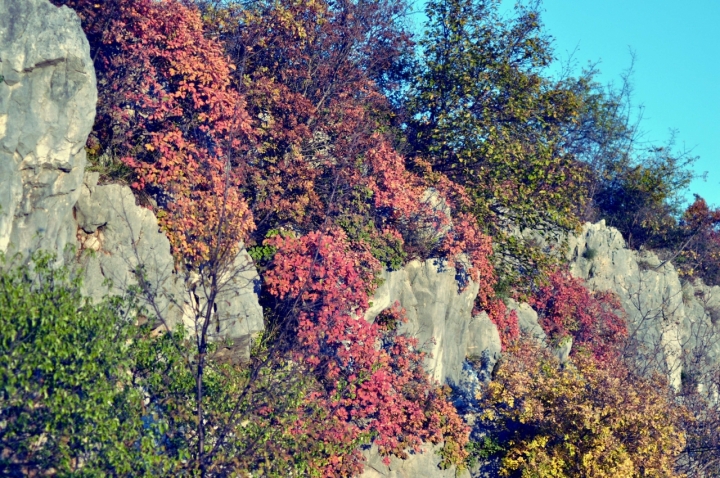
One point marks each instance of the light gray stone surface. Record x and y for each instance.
(238, 316)
(527, 319)
(438, 312)
(669, 322)
(118, 239)
(47, 108)
(421, 465)
(440, 315)
(483, 339)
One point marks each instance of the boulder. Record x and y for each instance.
(119, 240)
(47, 109)
(527, 320)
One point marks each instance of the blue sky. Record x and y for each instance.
(676, 72)
(677, 65)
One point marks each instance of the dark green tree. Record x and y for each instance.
(484, 112)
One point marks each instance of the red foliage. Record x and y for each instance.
(595, 320)
(374, 380)
(310, 72)
(699, 242)
(167, 110)
(506, 322)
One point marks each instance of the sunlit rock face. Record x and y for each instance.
(439, 312)
(671, 323)
(49, 202)
(47, 109)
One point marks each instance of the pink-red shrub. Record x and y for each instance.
(595, 320)
(373, 378)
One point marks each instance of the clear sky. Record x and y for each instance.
(677, 65)
(676, 72)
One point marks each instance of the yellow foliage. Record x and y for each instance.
(583, 419)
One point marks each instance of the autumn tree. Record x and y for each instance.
(314, 75)
(581, 419)
(695, 244)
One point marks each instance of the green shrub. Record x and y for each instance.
(66, 404)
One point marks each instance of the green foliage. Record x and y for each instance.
(263, 252)
(85, 392)
(643, 198)
(65, 364)
(482, 449)
(483, 113)
(385, 247)
(638, 188)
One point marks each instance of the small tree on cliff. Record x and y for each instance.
(482, 113)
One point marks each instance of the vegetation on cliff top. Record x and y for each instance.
(332, 142)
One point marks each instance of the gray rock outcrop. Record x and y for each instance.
(440, 315)
(418, 465)
(438, 312)
(48, 95)
(47, 109)
(121, 243)
(118, 241)
(527, 320)
(670, 323)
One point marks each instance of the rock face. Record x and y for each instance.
(669, 322)
(527, 320)
(47, 201)
(438, 312)
(421, 465)
(47, 109)
(119, 239)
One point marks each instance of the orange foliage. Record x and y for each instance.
(168, 112)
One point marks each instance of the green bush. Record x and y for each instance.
(66, 404)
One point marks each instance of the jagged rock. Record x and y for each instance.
(438, 312)
(527, 319)
(483, 339)
(438, 309)
(119, 239)
(665, 318)
(421, 465)
(47, 109)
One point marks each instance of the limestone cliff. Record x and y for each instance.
(672, 323)
(47, 109)
(49, 202)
